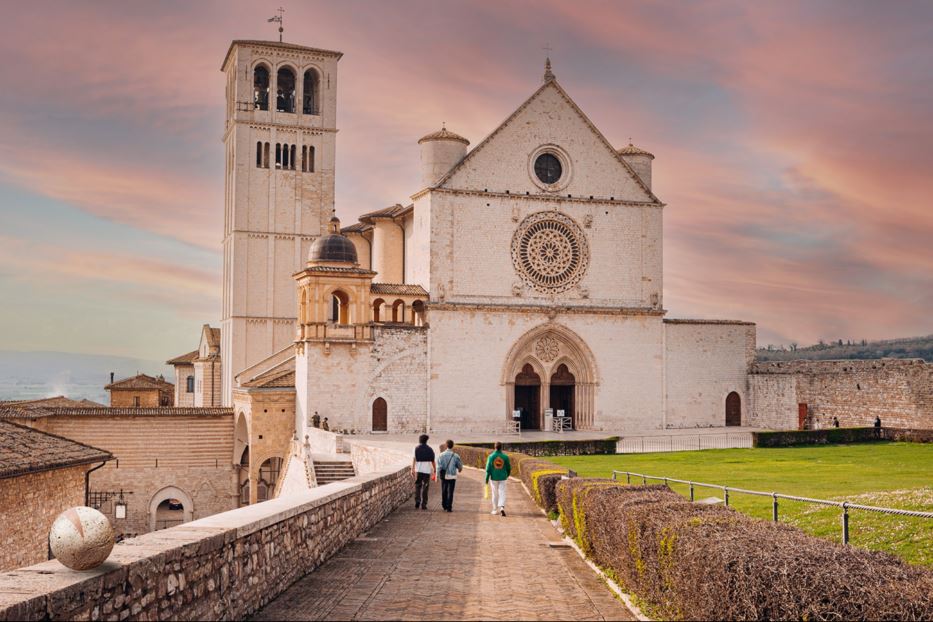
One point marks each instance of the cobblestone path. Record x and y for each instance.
(464, 565)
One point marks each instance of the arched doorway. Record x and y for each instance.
(268, 476)
(528, 397)
(733, 409)
(169, 507)
(563, 385)
(243, 476)
(380, 415)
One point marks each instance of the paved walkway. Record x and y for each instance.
(464, 565)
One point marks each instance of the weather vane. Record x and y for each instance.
(278, 18)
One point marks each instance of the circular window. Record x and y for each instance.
(548, 168)
(549, 252)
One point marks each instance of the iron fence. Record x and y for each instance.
(683, 442)
(775, 496)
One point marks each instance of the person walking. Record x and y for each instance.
(423, 469)
(449, 465)
(498, 469)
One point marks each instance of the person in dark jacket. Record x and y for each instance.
(423, 469)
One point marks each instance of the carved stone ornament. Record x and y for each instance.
(547, 349)
(550, 252)
(516, 289)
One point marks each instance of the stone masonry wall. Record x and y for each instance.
(29, 504)
(900, 391)
(223, 567)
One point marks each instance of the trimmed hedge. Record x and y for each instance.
(829, 436)
(694, 562)
(905, 435)
(539, 476)
(558, 447)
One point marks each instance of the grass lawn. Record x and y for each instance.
(898, 475)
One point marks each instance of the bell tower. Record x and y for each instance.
(279, 147)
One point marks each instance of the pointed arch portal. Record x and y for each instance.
(551, 367)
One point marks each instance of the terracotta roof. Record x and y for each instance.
(393, 211)
(687, 321)
(57, 401)
(631, 149)
(356, 228)
(336, 269)
(213, 336)
(184, 359)
(140, 382)
(444, 134)
(25, 450)
(276, 44)
(398, 289)
(38, 412)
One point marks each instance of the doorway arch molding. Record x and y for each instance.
(545, 348)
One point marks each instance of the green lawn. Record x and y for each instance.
(898, 475)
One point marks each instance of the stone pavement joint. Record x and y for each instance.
(464, 565)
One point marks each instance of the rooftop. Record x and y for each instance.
(277, 44)
(38, 412)
(141, 382)
(25, 450)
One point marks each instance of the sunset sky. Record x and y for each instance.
(794, 148)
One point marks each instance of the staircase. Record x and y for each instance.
(327, 471)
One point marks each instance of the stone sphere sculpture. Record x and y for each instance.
(81, 538)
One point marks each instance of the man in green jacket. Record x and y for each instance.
(498, 469)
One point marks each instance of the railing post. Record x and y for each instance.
(691, 491)
(613, 476)
(628, 476)
(845, 522)
(665, 483)
(725, 495)
(644, 479)
(774, 507)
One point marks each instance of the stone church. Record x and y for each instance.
(523, 278)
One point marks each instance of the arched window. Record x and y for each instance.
(259, 155)
(310, 99)
(278, 155)
(285, 159)
(292, 158)
(310, 159)
(268, 476)
(417, 313)
(261, 87)
(285, 90)
(378, 305)
(265, 156)
(398, 311)
(339, 308)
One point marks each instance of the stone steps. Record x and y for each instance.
(333, 471)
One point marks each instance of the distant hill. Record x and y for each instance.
(909, 348)
(32, 375)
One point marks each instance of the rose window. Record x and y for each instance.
(549, 252)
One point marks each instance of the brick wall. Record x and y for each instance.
(900, 391)
(223, 567)
(29, 505)
(148, 398)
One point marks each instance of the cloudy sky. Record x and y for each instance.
(793, 145)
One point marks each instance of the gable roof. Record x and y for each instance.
(141, 382)
(393, 211)
(278, 376)
(25, 450)
(397, 289)
(27, 411)
(184, 359)
(552, 83)
(211, 334)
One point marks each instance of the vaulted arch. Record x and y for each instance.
(561, 359)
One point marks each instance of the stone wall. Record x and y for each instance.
(900, 391)
(189, 458)
(773, 401)
(30, 503)
(223, 567)
(122, 398)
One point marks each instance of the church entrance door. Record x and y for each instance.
(528, 397)
(380, 415)
(562, 389)
(733, 409)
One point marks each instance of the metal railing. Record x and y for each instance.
(726, 490)
(683, 442)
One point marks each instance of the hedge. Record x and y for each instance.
(591, 447)
(691, 561)
(829, 436)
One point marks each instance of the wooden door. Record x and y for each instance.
(733, 409)
(380, 415)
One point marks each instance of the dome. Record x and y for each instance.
(333, 247)
(444, 134)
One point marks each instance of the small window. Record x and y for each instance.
(136, 401)
(304, 158)
(259, 155)
(278, 155)
(292, 160)
(548, 168)
(189, 384)
(265, 156)
(285, 160)
(309, 105)
(310, 159)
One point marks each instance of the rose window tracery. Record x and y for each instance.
(549, 252)
(547, 349)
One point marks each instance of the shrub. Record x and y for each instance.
(830, 436)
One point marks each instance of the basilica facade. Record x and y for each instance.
(523, 277)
